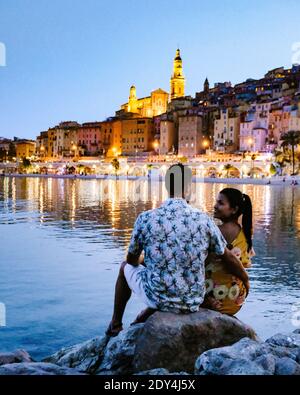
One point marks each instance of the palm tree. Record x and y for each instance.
(291, 138)
(116, 165)
(253, 157)
(149, 168)
(227, 167)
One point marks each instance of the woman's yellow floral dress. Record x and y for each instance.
(225, 292)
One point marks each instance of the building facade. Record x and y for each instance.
(137, 135)
(226, 131)
(25, 149)
(168, 137)
(190, 136)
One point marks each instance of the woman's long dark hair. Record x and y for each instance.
(238, 199)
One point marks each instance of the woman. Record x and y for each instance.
(226, 293)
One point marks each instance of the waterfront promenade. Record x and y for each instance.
(278, 180)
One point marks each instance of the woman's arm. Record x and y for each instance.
(234, 266)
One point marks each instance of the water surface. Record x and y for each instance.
(62, 241)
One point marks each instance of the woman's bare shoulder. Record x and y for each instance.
(230, 231)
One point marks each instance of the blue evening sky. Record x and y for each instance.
(76, 59)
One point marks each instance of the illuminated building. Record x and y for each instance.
(149, 106)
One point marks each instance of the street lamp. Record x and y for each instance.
(42, 150)
(114, 150)
(155, 146)
(250, 142)
(205, 144)
(74, 147)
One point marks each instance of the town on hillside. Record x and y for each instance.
(258, 119)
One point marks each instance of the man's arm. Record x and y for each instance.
(136, 244)
(234, 266)
(132, 259)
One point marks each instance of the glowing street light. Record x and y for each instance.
(114, 150)
(250, 142)
(74, 148)
(205, 144)
(155, 146)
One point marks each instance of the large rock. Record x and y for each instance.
(290, 341)
(246, 357)
(277, 356)
(85, 357)
(15, 357)
(36, 369)
(174, 341)
(287, 367)
(120, 351)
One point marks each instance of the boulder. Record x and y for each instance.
(287, 367)
(35, 369)
(119, 352)
(15, 357)
(84, 357)
(174, 341)
(248, 357)
(290, 341)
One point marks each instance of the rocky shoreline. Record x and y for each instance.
(202, 343)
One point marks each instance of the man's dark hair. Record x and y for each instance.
(178, 178)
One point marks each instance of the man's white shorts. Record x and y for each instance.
(134, 281)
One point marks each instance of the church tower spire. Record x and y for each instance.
(206, 86)
(132, 102)
(177, 81)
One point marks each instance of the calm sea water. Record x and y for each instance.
(62, 241)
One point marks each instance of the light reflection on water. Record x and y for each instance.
(62, 240)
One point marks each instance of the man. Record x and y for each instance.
(176, 239)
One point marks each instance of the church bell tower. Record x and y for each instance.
(177, 81)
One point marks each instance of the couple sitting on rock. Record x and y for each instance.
(188, 262)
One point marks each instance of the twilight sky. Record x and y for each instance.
(76, 59)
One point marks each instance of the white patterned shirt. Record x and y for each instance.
(176, 239)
